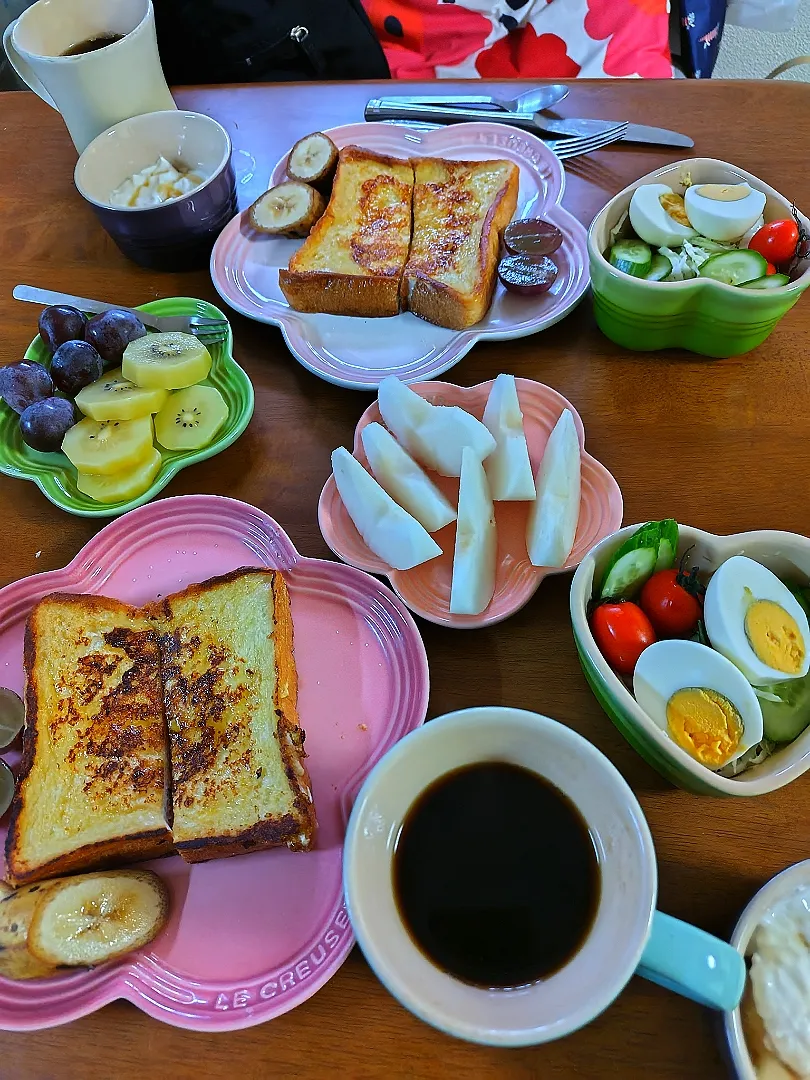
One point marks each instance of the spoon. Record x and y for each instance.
(528, 103)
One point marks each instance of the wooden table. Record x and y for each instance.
(724, 445)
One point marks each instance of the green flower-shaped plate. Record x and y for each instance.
(56, 477)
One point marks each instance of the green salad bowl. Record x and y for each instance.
(701, 315)
(788, 556)
(56, 477)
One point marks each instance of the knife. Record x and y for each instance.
(391, 109)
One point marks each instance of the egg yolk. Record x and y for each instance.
(775, 637)
(674, 205)
(705, 724)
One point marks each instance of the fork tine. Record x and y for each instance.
(568, 148)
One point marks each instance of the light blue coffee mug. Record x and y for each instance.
(628, 935)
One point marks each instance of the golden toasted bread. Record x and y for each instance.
(352, 261)
(239, 782)
(460, 209)
(93, 787)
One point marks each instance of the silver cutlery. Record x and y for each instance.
(529, 103)
(205, 329)
(577, 146)
(392, 108)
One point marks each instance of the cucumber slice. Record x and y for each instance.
(667, 545)
(785, 709)
(628, 572)
(735, 267)
(660, 268)
(772, 281)
(632, 257)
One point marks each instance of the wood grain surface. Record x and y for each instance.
(723, 445)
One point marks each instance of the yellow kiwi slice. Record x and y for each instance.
(121, 486)
(166, 361)
(190, 418)
(110, 447)
(112, 397)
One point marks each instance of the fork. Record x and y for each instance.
(576, 146)
(205, 329)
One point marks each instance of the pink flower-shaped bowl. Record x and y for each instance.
(426, 589)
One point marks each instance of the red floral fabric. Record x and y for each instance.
(493, 39)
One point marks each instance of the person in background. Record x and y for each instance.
(520, 39)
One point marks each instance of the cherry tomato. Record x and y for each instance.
(777, 240)
(622, 631)
(771, 270)
(669, 604)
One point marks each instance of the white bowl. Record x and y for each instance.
(610, 954)
(779, 887)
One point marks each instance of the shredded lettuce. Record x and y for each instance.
(755, 756)
(617, 231)
(681, 268)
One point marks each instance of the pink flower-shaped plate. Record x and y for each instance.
(426, 588)
(250, 937)
(360, 353)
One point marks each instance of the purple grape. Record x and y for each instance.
(23, 383)
(60, 324)
(43, 424)
(112, 331)
(75, 365)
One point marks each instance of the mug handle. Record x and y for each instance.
(693, 963)
(23, 68)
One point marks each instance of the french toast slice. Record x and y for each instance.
(93, 789)
(352, 261)
(239, 782)
(460, 210)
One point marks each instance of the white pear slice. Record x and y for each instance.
(391, 533)
(474, 559)
(553, 518)
(433, 434)
(406, 482)
(508, 468)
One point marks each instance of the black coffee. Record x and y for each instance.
(92, 44)
(495, 875)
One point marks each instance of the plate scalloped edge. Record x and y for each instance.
(441, 349)
(144, 980)
(601, 499)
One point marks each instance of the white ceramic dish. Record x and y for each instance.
(778, 888)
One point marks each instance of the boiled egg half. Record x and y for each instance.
(659, 216)
(755, 620)
(700, 699)
(723, 212)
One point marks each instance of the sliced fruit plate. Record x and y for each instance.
(426, 588)
(250, 937)
(360, 353)
(146, 464)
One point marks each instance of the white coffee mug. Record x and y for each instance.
(92, 90)
(628, 935)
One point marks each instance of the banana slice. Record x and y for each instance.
(313, 160)
(97, 917)
(17, 909)
(166, 361)
(12, 715)
(290, 209)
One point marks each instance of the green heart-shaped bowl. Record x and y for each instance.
(56, 477)
(704, 316)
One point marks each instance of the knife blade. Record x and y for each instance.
(388, 109)
(637, 133)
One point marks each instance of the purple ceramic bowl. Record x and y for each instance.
(179, 233)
